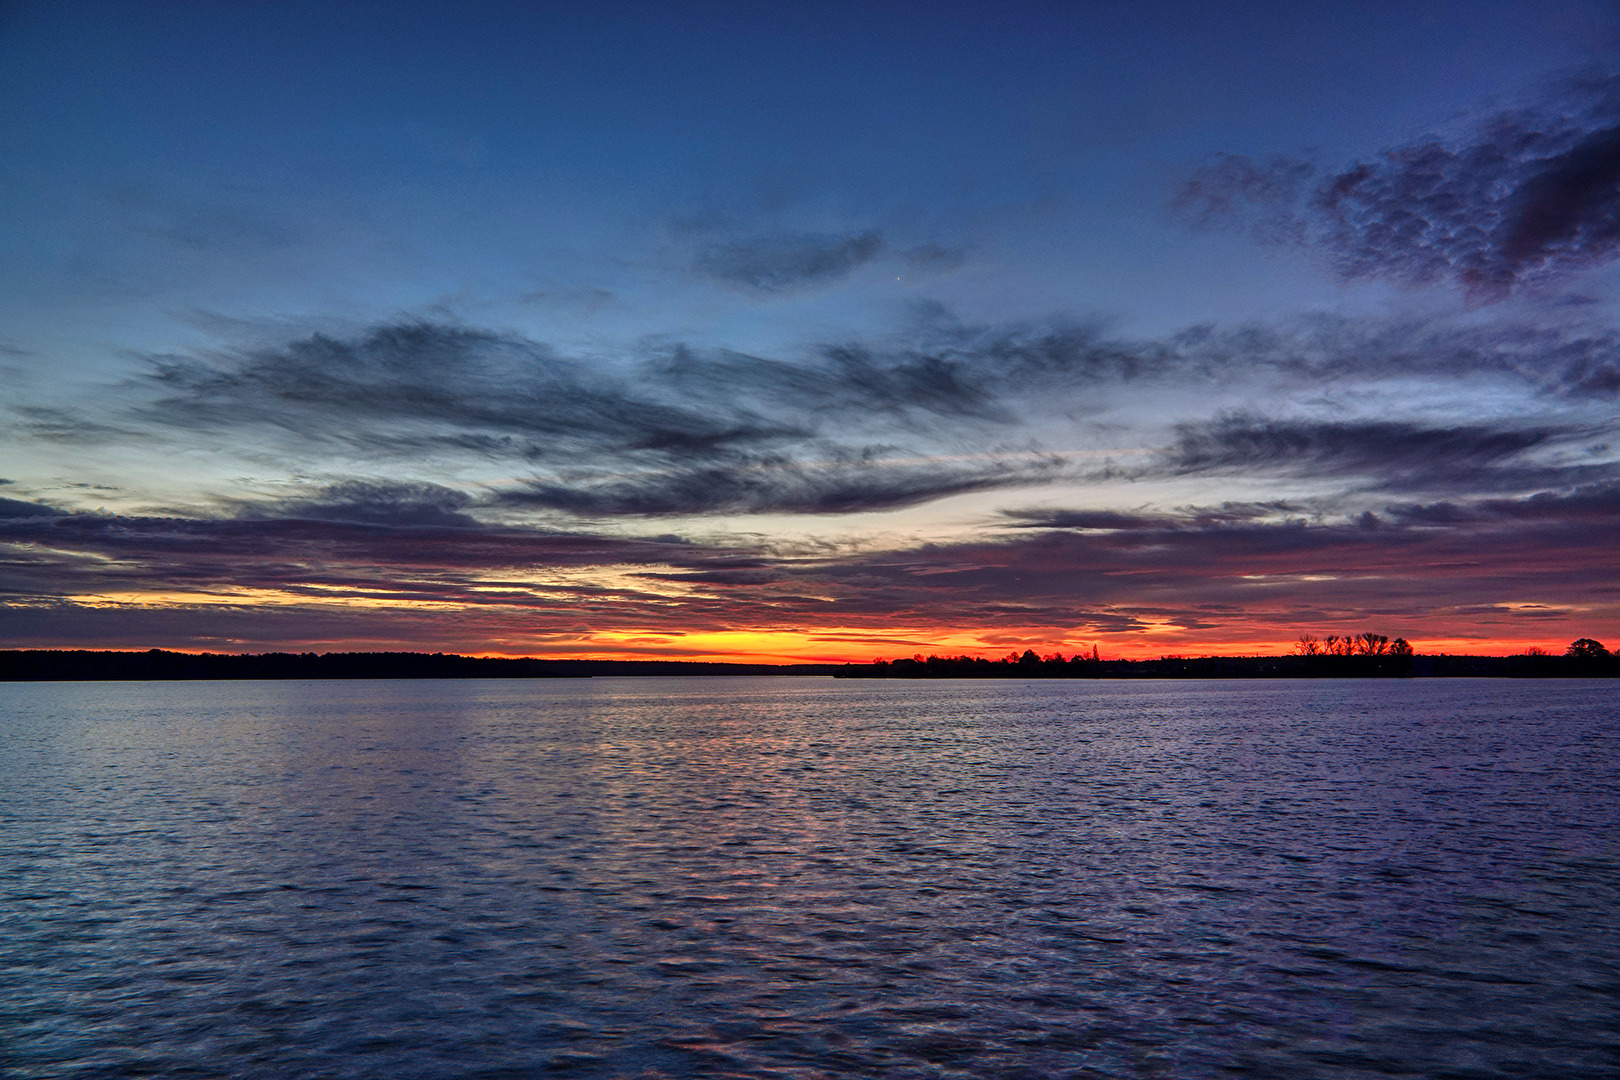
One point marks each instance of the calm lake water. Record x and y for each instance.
(810, 878)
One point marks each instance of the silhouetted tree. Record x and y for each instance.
(1371, 644)
(1308, 645)
(1400, 647)
(1587, 649)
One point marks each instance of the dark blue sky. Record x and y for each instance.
(334, 159)
(802, 283)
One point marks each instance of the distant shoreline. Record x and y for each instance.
(74, 665)
(44, 665)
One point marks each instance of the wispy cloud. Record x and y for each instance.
(1385, 454)
(368, 502)
(1185, 518)
(856, 425)
(1526, 194)
(673, 433)
(782, 486)
(770, 265)
(1580, 507)
(247, 552)
(934, 258)
(237, 228)
(424, 384)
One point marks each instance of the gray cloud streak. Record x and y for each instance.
(1390, 454)
(366, 502)
(777, 486)
(783, 264)
(682, 431)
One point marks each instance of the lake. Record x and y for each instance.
(781, 877)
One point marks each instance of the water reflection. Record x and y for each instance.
(809, 878)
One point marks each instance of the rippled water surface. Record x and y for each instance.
(809, 878)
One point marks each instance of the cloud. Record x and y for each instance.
(1221, 572)
(417, 386)
(1526, 195)
(934, 258)
(371, 503)
(16, 508)
(1586, 505)
(75, 553)
(1218, 575)
(421, 384)
(57, 424)
(680, 432)
(202, 226)
(779, 486)
(841, 385)
(865, 424)
(1084, 520)
(991, 367)
(783, 264)
(1117, 521)
(1393, 454)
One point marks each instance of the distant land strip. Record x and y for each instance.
(1029, 666)
(44, 665)
(47, 665)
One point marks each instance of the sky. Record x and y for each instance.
(809, 332)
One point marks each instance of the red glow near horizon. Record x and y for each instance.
(777, 652)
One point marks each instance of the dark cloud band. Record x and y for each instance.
(1215, 571)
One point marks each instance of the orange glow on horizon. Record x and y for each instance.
(503, 629)
(845, 646)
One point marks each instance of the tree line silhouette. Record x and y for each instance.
(1364, 644)
(1363, 655)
